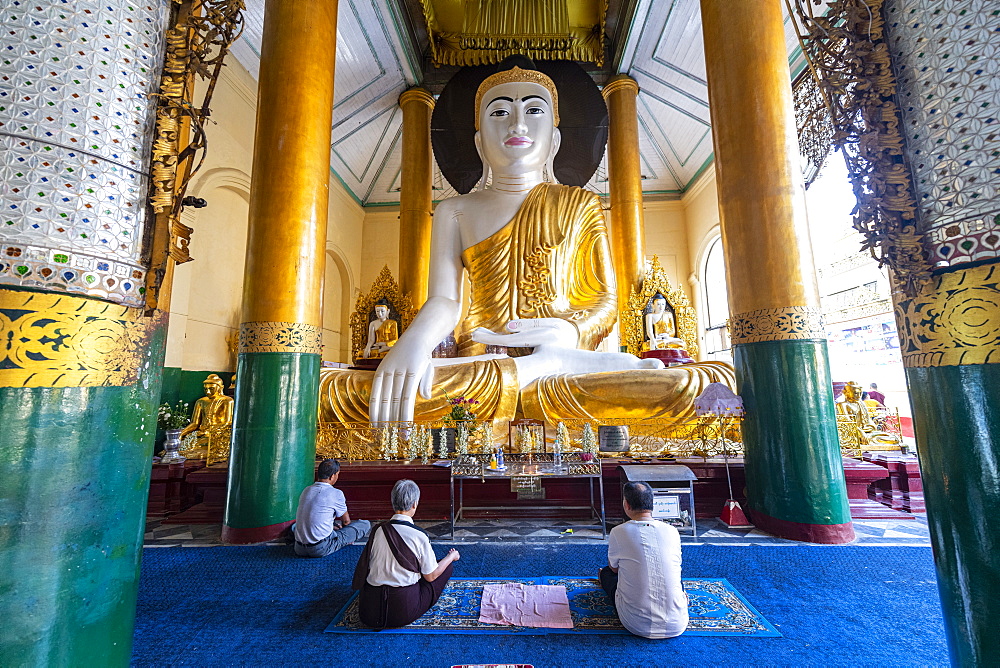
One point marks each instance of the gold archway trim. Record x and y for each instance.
(385, 286)
(631, 323)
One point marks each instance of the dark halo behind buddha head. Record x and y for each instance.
(583, 122)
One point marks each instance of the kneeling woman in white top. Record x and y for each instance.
(398, 575)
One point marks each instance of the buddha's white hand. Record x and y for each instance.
(531, 333)
(554, 342)
(405, 369)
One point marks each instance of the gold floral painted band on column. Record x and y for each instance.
(50, 340)
(955, 320)
(791, 323)
(280, 337)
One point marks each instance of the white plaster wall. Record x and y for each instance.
(207, 292)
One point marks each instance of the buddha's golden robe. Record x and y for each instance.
(387, 333)
(551, 261)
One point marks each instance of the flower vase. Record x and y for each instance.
(171, 447)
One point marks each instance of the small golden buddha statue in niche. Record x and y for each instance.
(853, 408)
(383, 332)
(214, 409)
(660, 326)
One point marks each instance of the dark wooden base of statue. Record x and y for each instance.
(669, 356)
(201, 496)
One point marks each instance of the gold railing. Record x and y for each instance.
(407, 441)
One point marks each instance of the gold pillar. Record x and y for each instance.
(415, 194)
(769, 263)
(794, 471)
(628, 242)
(273, 450)
(289, 191)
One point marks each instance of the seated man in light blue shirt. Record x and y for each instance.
(322, 525)
(643, 577)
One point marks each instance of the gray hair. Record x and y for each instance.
(405, 495)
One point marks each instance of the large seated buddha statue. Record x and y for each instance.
(543, 287)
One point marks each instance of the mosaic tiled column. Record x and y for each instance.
(415, 194)
(277, 394)
(948, 78)
(79, 366)
(795, 475)
(627, 227)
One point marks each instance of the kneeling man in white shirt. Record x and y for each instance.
(644, 575)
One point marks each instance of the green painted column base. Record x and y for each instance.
(274, 443)
(956, 418)
(74, 481)
(795, 474)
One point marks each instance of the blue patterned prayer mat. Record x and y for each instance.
(714, 606)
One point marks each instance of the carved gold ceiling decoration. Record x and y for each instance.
(481, 32)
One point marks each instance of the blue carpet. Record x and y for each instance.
(262, 605)
(715, 609)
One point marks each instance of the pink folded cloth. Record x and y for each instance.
(515, 604)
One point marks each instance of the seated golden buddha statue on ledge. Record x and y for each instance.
(214, 410)
(853, 410)
(542, 282)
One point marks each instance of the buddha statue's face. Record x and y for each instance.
(852, 392)
(659, 305)
(517, 130)
(381, 312)
(212, 388)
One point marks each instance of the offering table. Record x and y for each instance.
(526, 472)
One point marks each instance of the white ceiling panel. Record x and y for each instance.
(376, 61)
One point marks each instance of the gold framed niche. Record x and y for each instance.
(401, 309)
(631, 322)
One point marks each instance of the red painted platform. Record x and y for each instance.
(860, 476)
(903, 489)
(208, 496)
(367, 486)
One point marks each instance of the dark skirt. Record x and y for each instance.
(387, 607)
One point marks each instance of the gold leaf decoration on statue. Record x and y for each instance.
(51, 340)
(632, 321)
(486, 32)
(384, 287)
(954, 321)
(848, 57)
(197, 43)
